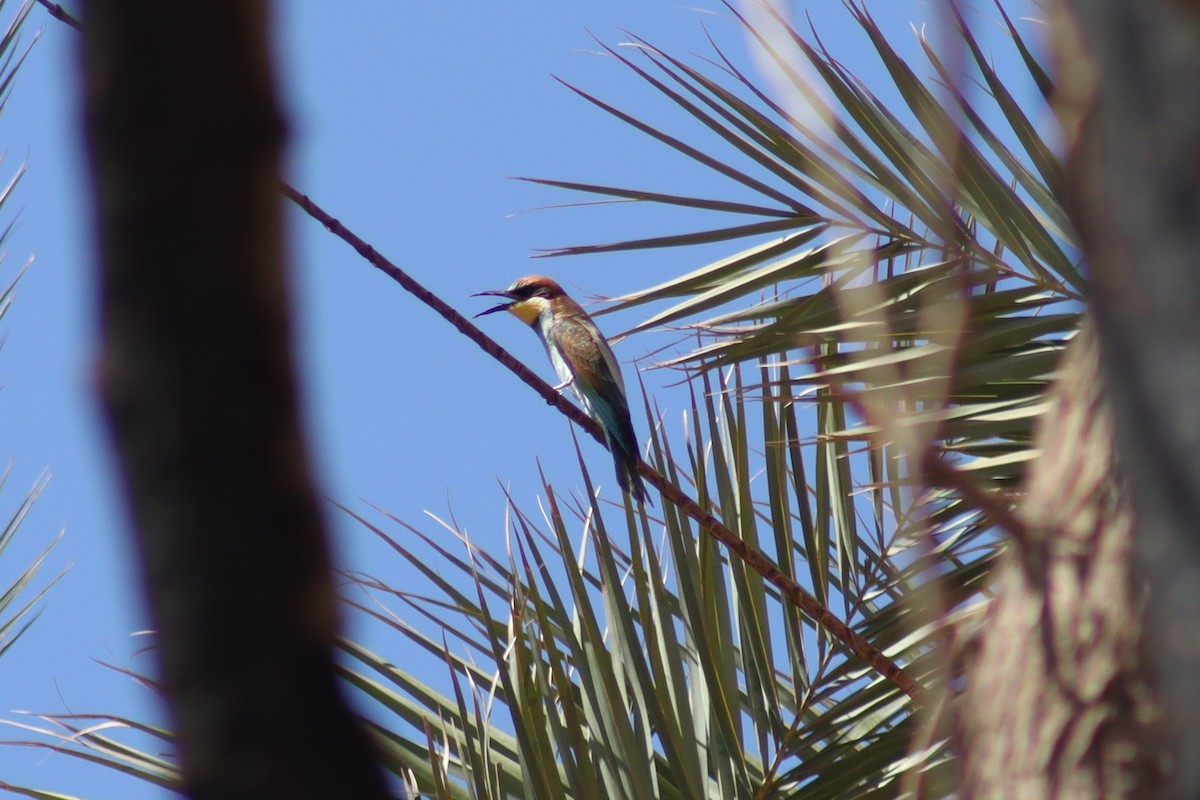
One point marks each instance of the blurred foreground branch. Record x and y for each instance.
(184, 138)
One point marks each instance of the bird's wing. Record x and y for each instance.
(598, 379)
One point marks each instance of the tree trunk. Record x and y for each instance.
(1057, 704)
(184, 138)
(1135, 190)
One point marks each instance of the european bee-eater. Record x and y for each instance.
(583, 361)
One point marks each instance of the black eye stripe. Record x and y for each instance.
(526, 292)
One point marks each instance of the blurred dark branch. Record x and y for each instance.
(61, 14)
(199, 393)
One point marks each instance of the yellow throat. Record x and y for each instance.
(527, 310)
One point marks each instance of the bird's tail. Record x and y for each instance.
(627, 472)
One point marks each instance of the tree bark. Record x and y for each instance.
(1135, 190)
(1057, 703)
(184, 137)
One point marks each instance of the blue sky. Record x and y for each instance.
(406, 122)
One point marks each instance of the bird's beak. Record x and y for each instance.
(501, 307)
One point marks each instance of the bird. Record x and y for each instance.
(583, 361)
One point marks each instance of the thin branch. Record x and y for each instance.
(755, 558)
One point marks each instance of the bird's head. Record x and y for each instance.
(527, 298)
